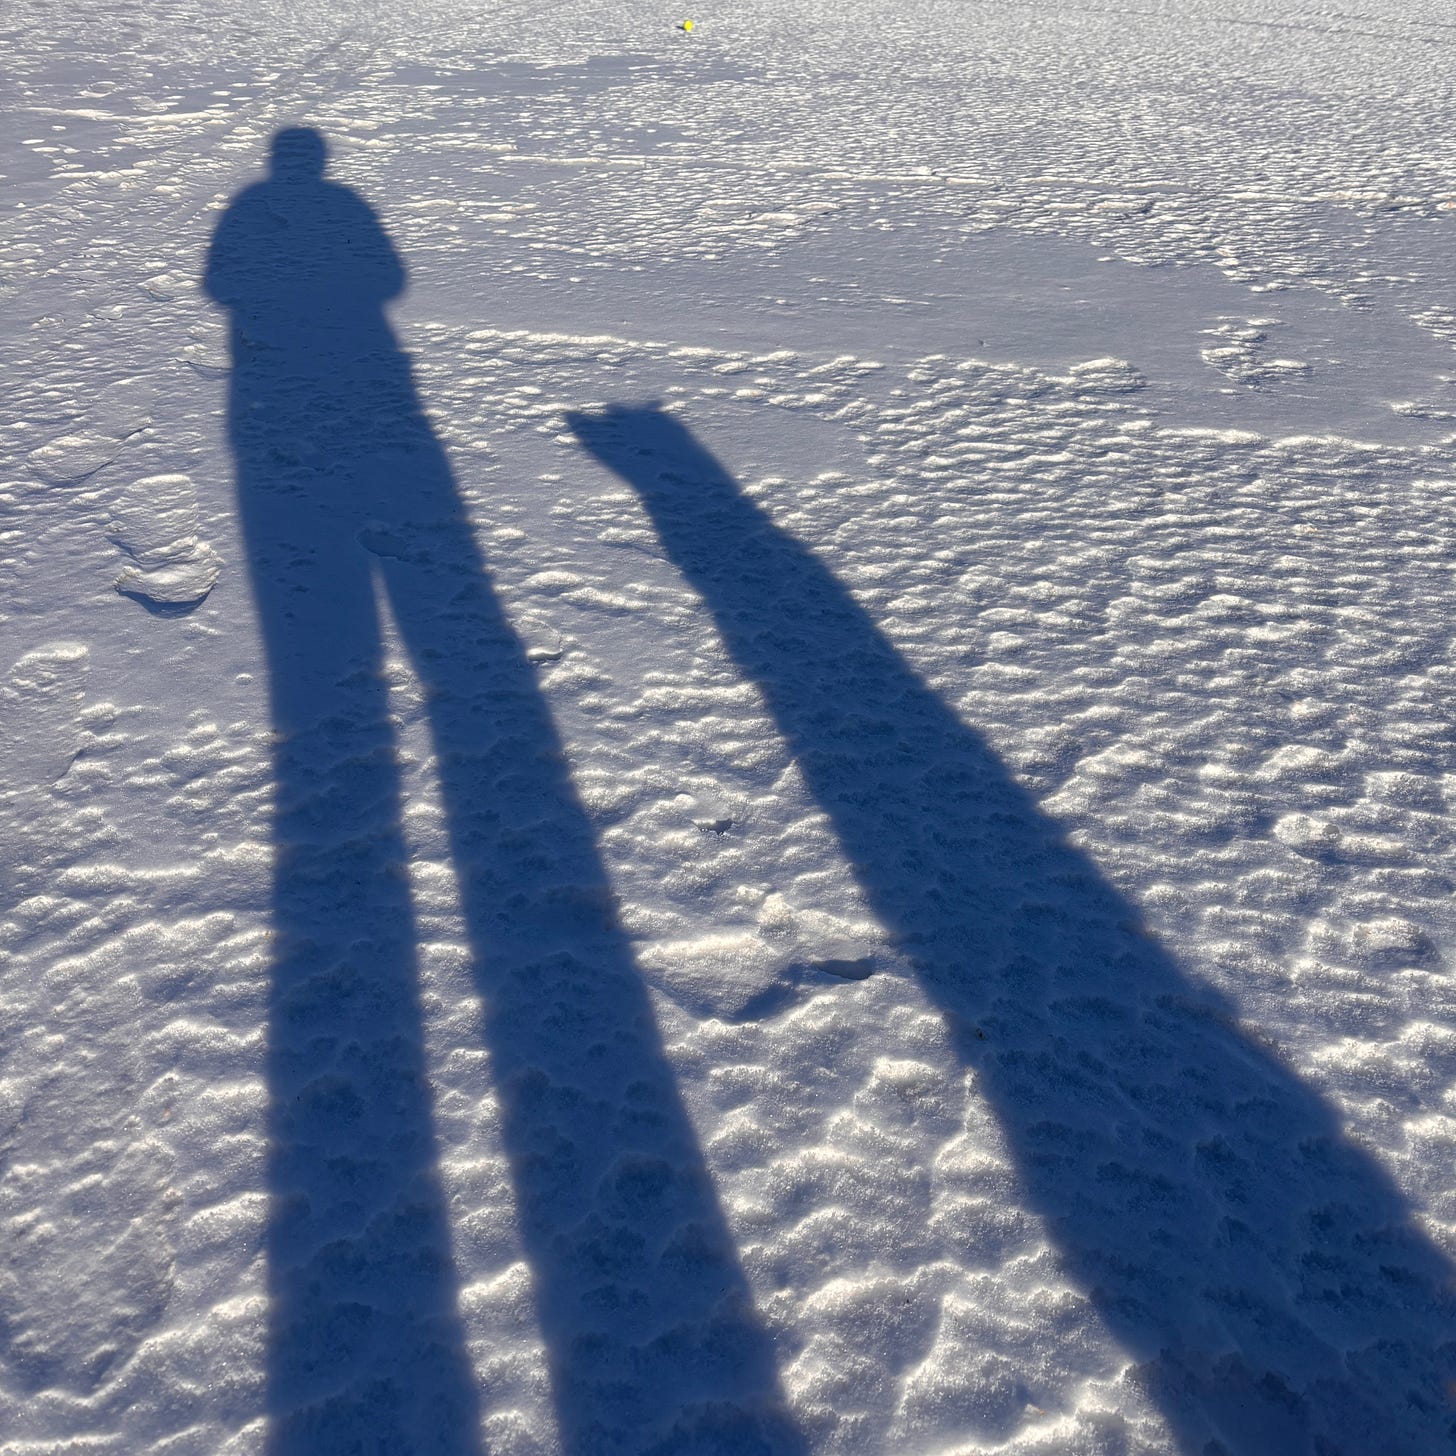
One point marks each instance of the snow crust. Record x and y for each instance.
(792, 794)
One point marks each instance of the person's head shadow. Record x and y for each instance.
(349, 506)
(299, 257)
(297, 156)
(1262, 1273)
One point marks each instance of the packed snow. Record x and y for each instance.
(727, 742)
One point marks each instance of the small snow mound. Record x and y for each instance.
(1307, 835)
(1322, 839)
(730, 976)
(1389, 942)
(1298, 762)
(172, 586)
(157, 526)
(1107, 376)
(540, 640)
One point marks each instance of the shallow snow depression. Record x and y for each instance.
(732, 742)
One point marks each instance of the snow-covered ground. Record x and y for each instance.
(742, 744)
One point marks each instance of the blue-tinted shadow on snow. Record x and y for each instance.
(1261, 1272)
(347, 501)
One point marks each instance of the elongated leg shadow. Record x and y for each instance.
(345, 493)
(1261, 1271)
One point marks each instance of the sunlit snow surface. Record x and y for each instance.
(878, 878)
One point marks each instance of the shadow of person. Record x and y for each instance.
(346, 498)
(1260, 1271)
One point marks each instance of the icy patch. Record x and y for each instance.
(1106, 376)
(157, 526)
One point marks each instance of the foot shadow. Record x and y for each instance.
(1261, 1272)
(348, 501)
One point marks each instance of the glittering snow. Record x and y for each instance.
(734, 742)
